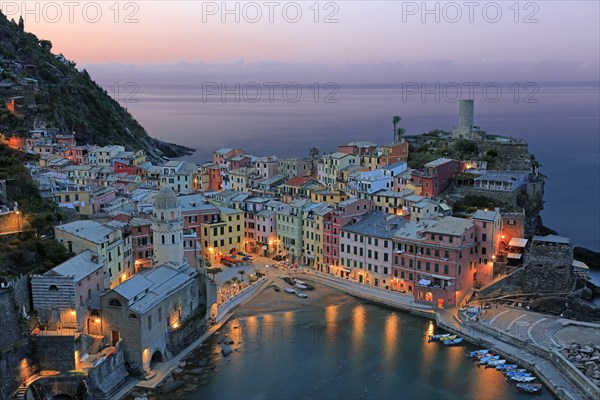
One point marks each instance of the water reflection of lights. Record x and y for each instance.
(331, 315)
(358, 324)
(390, 336)
(430, 330)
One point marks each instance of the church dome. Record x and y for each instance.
(166, 198)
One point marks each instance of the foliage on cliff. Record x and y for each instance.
(66, 98)
(26, 253)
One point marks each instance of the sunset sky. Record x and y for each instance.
(370, 37)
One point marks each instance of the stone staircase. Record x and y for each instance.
(19, 394)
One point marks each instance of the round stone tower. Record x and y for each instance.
(167, 228)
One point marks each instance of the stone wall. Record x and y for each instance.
(54, 352)
(15, 362)
(12, 222)
(511, 156)
(105, 379)
(191, 330)
(545, 279)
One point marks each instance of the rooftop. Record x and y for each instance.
(438, 162)
(89, 230)
(79, 266)
(451, 226)
(151, 286)
(376, 224)
(486, 215)
(552, 239)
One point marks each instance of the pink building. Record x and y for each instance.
(102, 196)
(488, 228)
(62, 295)
(222, 155)
(332, 227)
(366, 248)
(437, 175)
(197, 210)
(435, 260)
(141, 243)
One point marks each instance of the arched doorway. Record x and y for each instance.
(94, 324)
(440, 303)
(429, 296)
(156, 358)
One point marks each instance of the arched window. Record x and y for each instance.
(133, 316)
(114, 303)
(172, 216)
(53, 287)
(173, 239)
(163, 239)
(162, 215)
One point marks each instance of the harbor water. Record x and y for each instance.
(353, 350)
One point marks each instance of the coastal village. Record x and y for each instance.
(149, 241)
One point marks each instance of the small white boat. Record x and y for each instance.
(298, 281)
(289, 290)
(522, 378)
(300, 294)
(301, 286)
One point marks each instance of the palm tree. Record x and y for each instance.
(399, 134)
(234, 279)
(395, 121)
(242, 272)
(214, 271)
(313, 152)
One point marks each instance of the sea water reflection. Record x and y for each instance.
(354, 350)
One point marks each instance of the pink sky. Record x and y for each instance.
(566, 34)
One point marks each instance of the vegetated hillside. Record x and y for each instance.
(27, 252)
(65, 98)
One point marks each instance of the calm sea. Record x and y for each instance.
(350, 351)
(561, 122)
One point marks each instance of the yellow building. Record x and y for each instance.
(312, 232)
(389, 201)
(224, 234)
(75, 199)
(328, 196)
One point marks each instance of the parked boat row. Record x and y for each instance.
(512, 371)
(446, 338)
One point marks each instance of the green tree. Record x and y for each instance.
(21, 23)
(214, 271)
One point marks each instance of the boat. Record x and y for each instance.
(529, 387)
(301, 286)
(289, 281)
(309, 286)
(289, 290)
(495, 363)
(477, 352)
(522, 378)
(506, 367)
(515, 370)
(276, 288)
(453, 341)
(481, 356)
(485, 360)
(512, 373)
(298, 281)
(300, 294)
(443, 336)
